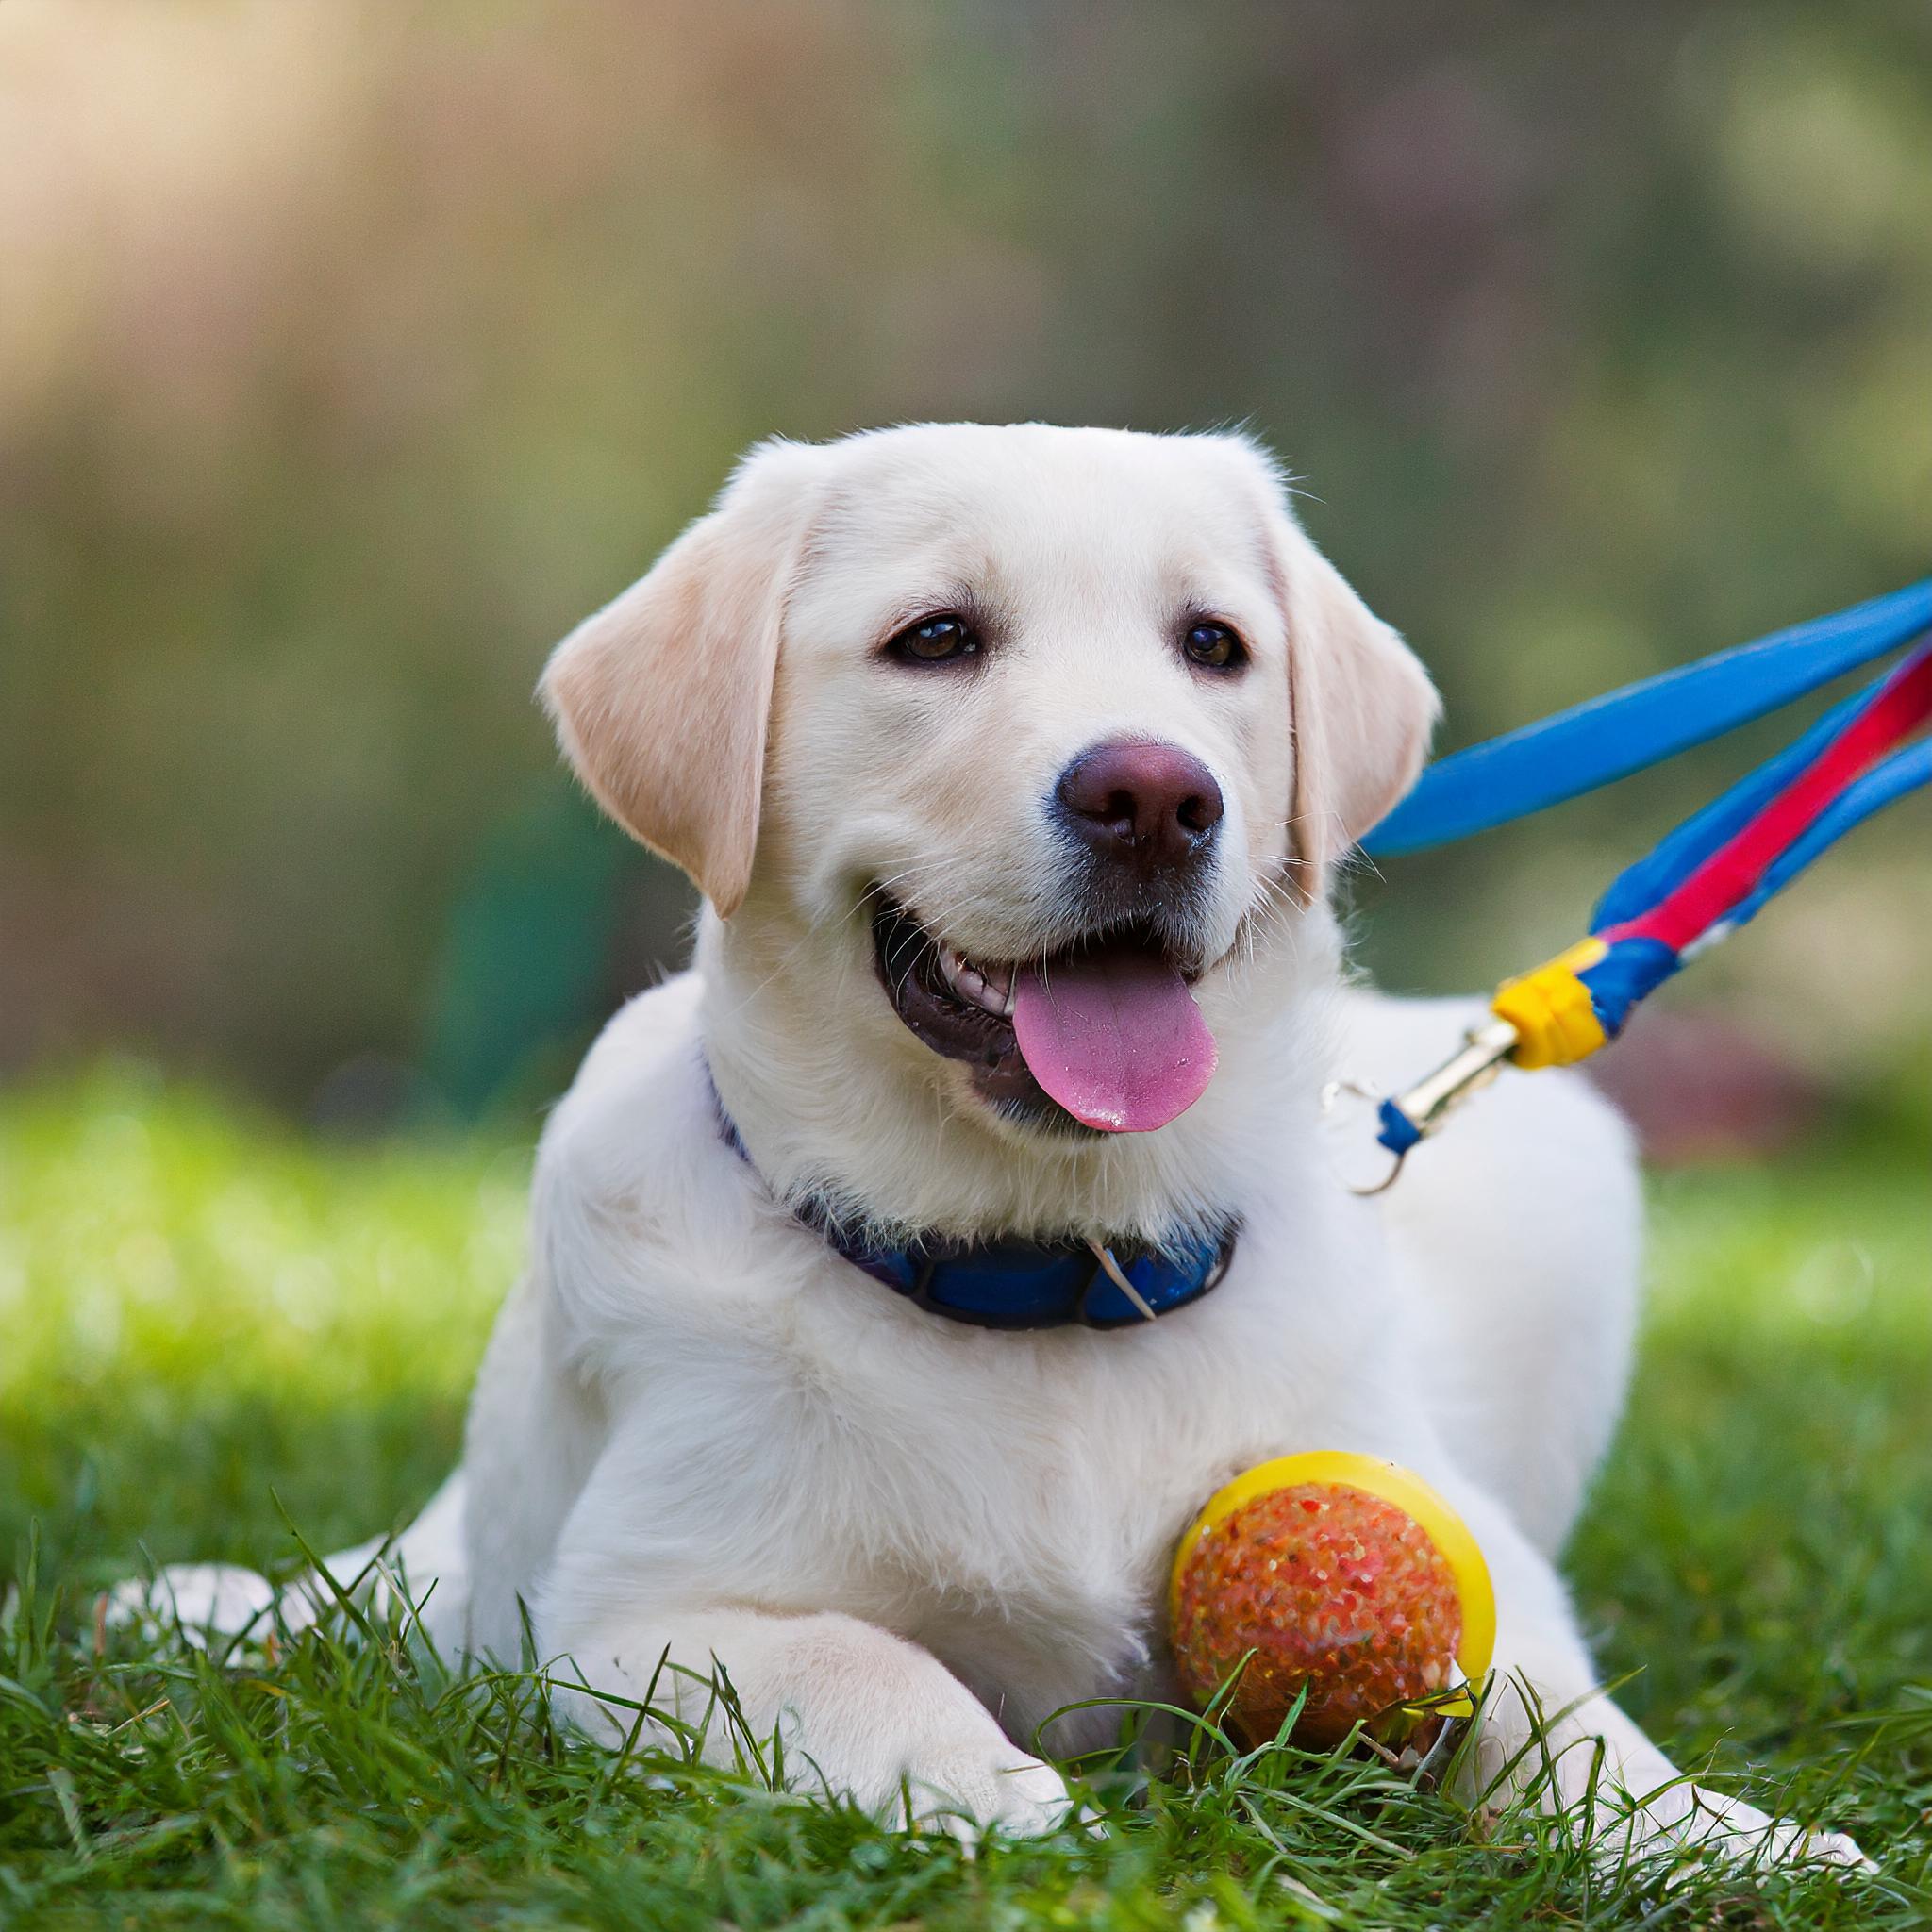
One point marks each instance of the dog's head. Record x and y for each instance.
(997, 750)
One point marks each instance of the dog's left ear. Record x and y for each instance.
(1362, 706)
(662, 699)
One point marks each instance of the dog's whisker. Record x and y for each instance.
(807, 939)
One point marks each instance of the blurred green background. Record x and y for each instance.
(350, 353)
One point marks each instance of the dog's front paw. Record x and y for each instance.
(200, 1602)
(1689, 1817)
(1828, 1848)
(968, 1793)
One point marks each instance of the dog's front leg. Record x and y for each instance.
(855, 1711)
(1550, 1733)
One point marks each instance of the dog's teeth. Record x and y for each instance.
(991, 992)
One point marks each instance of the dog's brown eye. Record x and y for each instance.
(1214, 647)
(933, 639)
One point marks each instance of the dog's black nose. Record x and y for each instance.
(1139, 800)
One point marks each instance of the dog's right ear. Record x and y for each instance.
(1361, 707)
(1362, 710)
(662, 699)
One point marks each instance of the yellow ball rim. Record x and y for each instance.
(1391, 1483)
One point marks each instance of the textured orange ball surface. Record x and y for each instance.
(1328, 1585)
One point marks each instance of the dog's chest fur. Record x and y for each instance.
(810, 1441)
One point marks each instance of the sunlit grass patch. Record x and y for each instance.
(198, 1306)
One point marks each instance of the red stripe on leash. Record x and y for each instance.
(1900, 708)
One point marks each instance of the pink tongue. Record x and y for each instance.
(1116, 1039)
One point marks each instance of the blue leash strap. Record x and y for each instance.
(1608, 738)
(1904, 771)
(1639, 885)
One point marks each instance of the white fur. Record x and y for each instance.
(699, 1435)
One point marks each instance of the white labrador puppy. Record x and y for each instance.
(1014, 764)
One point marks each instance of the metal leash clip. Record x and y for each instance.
(1409, 1119)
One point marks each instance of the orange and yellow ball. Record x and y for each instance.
(1337, 1573)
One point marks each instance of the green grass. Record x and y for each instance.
(201, 1313)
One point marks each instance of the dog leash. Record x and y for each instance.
(1702, 881)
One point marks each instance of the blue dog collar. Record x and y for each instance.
(1017, 1284)
(1039, 1284)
